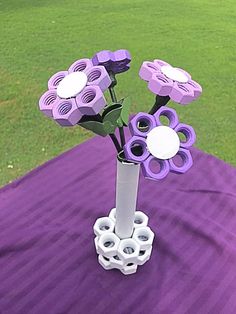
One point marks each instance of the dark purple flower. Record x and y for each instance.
(116, 62)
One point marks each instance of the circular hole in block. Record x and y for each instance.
(152, 66)
(80, 66)
(186, 134)
(138, 221)
(155, 166)
(143, 125)
(142, 234)
(178, 160)
(182, 136)
(116, 257)
(104, 227)
(107, 259)
(130, 264)
(49, 99)
(58, 79)
(143, 237)
(128, 250)
(88, 96)
(109, 244)
(141, 253)
(137, 149)
(184, 88)
(166, 117)
(162, 79)
(94, 75)
(164, 120)
(105, 224)
(64, 108)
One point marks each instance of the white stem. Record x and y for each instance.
(127, 179)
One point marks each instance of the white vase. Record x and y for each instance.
(123, 239)
(127, 180)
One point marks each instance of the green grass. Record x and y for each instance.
(39, 38)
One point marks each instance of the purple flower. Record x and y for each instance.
(75, 92)
(115, 62)
(154, 145)
(165, 80)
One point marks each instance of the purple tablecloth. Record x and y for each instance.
(48, 262)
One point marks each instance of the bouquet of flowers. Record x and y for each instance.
(77, 97)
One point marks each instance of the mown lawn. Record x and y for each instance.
(39, 38)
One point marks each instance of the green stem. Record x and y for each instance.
(98, 118)
(122, 136)
(112, 135)
(160, 101)
(113, 79)
(115, 142)
(112, 94)
(114, 100)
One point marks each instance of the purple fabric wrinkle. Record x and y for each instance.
(48, 262)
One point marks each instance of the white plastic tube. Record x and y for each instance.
(127, 180)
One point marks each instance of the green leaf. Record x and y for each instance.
(109, 127)
(112, 113)
(120, 123)
(126, 104)
(94, 126)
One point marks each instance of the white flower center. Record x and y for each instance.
(174, 74)
(163, 142)
(72, 84)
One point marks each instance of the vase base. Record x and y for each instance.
(123, 254)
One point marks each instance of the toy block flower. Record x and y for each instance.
(153, 143)
(75, 92)
(115, 62)
(165, 80)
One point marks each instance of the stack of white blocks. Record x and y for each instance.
(123, 254)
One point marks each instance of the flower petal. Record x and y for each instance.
(65, 112)
(160, 85)
(142, 124)
(182, 93)
(169, 113)
(160, 63)
(91, 100)
(197, 89)
(135, 149)
(150, 174)
(187, 161)
(120, 60)
(97, 75)
(80, 65)
(105, 58)
(147, 70)
(56, 79)
(47, 101)
(189, 133)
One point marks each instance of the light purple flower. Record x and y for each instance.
(75, 92)
(115, 62)
(165, 80)
(153, 143)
